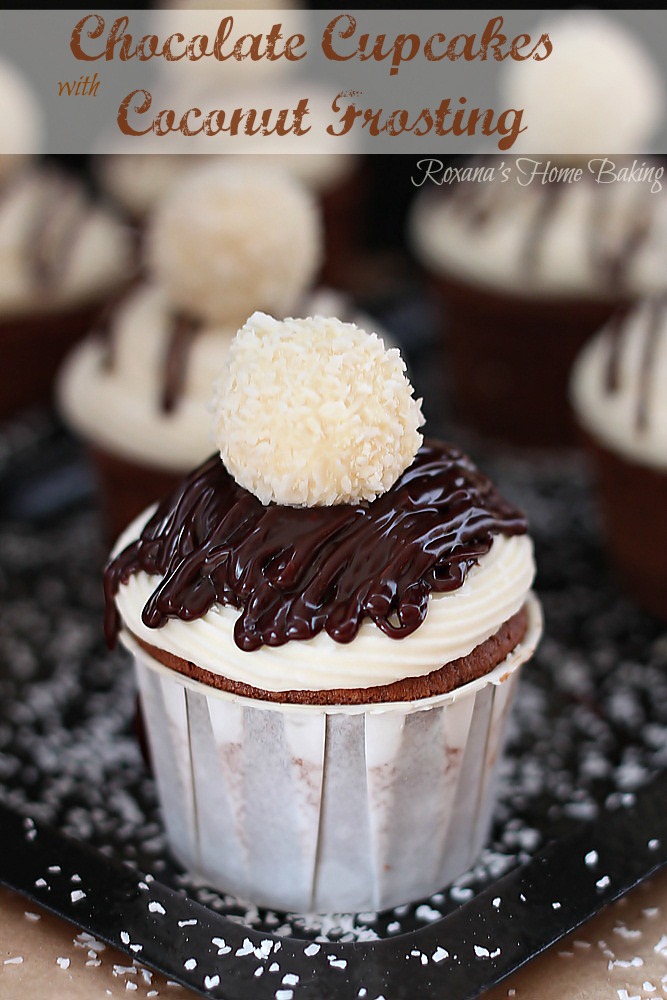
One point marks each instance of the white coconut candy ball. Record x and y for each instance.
(599, 91)
(20, 120)
(227, 241)
(314, 412)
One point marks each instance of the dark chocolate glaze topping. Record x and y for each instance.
(295, 571)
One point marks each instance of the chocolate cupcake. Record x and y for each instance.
(223, 243)
(327, 618)
(525, 275)
(63, 260)
(619, 393)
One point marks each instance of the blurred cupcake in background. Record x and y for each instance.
(329, 166)
(61, 256)
(619, 394)
(528, 266)
(140, 182)
(225, 242)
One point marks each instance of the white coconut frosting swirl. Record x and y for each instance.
(56, 248)
(116, 404)
(455, 624)
(619, 385)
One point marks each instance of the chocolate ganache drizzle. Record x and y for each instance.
(295, 571)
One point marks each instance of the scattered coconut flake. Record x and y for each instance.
(17, 960)
(290, 979)
(427, 913)
(211, 981)
(33, 917)
(54, 869)
(626, 933)
(284, 994)
(603, 882)
(40, 883)
(76, 895)
(661, 946)
(187, 923)
(440, 954)
(620, 963)
(125, 937)
(155, 907)
(62, 962)
(190, 964)
(311, 950)
(314, 412)
(591, 859)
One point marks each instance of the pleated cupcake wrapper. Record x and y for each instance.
(319, 808)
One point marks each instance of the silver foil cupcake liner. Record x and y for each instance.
(327, 808)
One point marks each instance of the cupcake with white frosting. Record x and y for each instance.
(61, 257)
(619, 394)
(225, 242)
(528, 266)
(327, 618)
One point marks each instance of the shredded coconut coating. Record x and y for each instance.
(314, 412)
(227, 241)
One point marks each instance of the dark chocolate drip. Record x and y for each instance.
(56, 226)
(179, 343)
(615, 335)
(473, 200)
(612, 263)
(295, 571)
(103, 327)
(546, 210)
(656, 308)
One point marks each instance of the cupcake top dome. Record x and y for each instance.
(619, 384)
(314, 412)
(599, 90)
(231, 240)
(599, 239)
